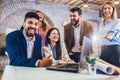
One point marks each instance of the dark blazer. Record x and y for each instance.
(85, 30)
(17, 49)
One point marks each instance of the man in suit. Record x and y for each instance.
(74, 32)
(24, 45)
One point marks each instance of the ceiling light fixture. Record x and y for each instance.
(116, 2)
(85, 5)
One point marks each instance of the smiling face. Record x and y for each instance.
(75, 17)
(54, 36)
(41, 17)
(30, 26)
(107, 11)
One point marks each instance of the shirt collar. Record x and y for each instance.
(108, 21)
(27, 37)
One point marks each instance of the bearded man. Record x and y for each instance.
(24, 45)
(74, 32)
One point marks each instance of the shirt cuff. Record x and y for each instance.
(36, 64)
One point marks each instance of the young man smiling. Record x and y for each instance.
(24, 45)
(74, 33)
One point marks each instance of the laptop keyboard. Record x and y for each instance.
(72, 66)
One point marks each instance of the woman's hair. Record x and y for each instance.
(114, 14)
(44, 25)
(58, 45)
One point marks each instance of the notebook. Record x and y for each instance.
(76, 67)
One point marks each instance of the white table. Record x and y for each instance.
(28, 73)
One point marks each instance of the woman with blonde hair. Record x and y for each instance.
(43, 27)
(109, 31)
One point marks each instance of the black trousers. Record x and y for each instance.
(75, 56)
(111, 54)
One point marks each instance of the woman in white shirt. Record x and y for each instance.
(109, 31)
(53, 46)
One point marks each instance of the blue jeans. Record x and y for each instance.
(75, 56)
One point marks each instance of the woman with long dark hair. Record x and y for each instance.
(43, 27)
(53, 46)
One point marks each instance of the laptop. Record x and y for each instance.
(75, 67)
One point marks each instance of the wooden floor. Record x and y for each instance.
(1, 74)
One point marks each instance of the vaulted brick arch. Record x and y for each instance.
(13, 14)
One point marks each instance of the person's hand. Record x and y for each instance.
(109, 37)
(80, 48)
(47, 61)
(66, 61)
(70, 53)
(69, 61)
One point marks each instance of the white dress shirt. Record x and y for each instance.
(77, 39)
(30, 45)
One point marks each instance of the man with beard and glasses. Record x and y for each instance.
(24, 45)
(74, 32)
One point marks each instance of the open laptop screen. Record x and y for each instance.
(86, 49)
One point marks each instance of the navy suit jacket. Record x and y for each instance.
(17, 49)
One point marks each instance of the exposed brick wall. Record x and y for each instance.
(2, 40)
(13, 12)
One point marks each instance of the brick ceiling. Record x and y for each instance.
(92, 4)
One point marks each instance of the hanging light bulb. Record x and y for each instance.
(85, 5)
(116, 2)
